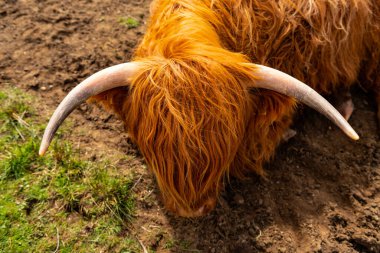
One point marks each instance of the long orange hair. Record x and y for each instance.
(192, 108)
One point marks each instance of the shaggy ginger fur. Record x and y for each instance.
(193, 110)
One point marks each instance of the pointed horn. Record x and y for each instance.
(106, 79)
(280, 82)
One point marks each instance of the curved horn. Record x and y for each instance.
(106, 79)
(280, 82)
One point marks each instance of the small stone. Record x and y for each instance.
(239, 199)
(83, 107)
(252, 232)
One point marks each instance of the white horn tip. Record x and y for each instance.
(354, 136)
(42, 150)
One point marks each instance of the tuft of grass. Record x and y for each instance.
(20, 160)
(113, 194)
(87, 205)
(128, 22)
(180, 246)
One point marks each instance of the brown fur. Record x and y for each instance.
(193, 110)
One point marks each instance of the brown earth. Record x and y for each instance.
(322, 193)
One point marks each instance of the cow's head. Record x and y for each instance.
(189, 117)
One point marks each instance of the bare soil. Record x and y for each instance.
(322, 192)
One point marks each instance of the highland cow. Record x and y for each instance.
(206, 96)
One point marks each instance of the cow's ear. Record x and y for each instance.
(112, 100)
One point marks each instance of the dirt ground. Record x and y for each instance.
(322, 193)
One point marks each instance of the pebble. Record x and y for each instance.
(252, 232)
(83, 107)
(239, 199)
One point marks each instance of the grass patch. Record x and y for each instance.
(20, 160)
(60, 197)
(128, 22)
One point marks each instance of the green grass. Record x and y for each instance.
(60, 200)
(128, 22)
